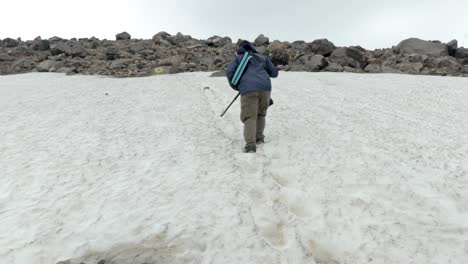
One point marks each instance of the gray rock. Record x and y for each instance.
(6, 57)
(449, 64)
(71, 48)
(334, 67)
(66, 70)
(422, 47)
(123, 36)
(348, 57)
(10, 43)
(120, 64)
(112, 53)
(461, 53)
(40, 44)
(261, 40)
(452, 47)
(410, 67)
(309, 63)
(179, 38)
(217, 41)
(47, 65)
(162, 38)
(278, 46)
(321, 46)
(373, 68)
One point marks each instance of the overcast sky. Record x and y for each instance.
(369, 23)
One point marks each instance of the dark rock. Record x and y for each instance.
(461, 53)
(10, 43)
(348, 57)
(452, 47)
(123, 36)
(309, 63)
(321, 46)
(410, 67)
(112, 53)
(40, 44)
(449, 64)
(422, 47)
(55, 39)
(261, 40)
(280, 57)
(71, 48)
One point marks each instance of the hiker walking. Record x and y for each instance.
(254, 86)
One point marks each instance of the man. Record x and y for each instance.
(255, 89)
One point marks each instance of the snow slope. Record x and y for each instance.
(356, 169)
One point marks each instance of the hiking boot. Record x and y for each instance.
(250, 148)
(260, 141)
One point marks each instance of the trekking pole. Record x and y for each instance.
(235, 98)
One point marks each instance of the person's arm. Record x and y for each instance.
(270, 68)
(231, 70)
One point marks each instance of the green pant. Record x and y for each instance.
(254, 106)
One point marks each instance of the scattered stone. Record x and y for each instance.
(261, 40)
(321, 46)
(123, 36)
(10, 43)
(452, 47)
(351, 57)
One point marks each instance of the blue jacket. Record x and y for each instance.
(257, 74)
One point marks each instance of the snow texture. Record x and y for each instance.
(356, 169)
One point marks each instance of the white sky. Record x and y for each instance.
(371, 24)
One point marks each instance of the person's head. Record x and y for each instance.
(246, 45)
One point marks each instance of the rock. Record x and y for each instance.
(449, 64)
(348, 57)
(179, 38)
(334, 67)
(123, 36)
(10, 43)
(40, 44)
(321, 46)
(120, 64)
(299, 45)
(280, 57)
(452, 47)
(47, 65)
(71, 48)
(166, 70)
(112, 53)
(278, 46)
(55, 39)
(66, 70)
(218, 74)
(373, 68)
(410, 67)
(6, 57)
(217, 41)
(422, 47)
(309, 63)
(461, 53)
(261, 40)
(162, 38)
